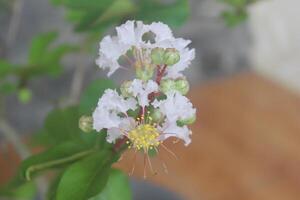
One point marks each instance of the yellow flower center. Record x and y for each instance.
(145, 137)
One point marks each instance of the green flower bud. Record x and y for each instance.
(125, 89)
(187, 121)
(86, 123)
(167, 85)
(171, 56)
(144, 74)
(157, 56)
(182, 86)
(156, 116)
(24, 95)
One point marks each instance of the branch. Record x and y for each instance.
(14, 22)
(77, 81)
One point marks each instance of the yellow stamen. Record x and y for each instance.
(145, 136)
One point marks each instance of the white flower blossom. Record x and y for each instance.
(109, 53)
(110, 105)
(131, 34)
(175, 107)
(170, 129)
(141, 90)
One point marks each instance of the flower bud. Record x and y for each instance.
(182, 86)
(171, 56)
(157, 116)
(144, 74)
(24, 95)
(125, 89)
(167, 85)
(187, 121)
(157, 56)
(86, 123)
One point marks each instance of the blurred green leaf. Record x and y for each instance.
(173, 14)
(55, 157)
(232, 18)
(84, 4)
(116, 188)
(99, 21)
(236, 12)
(39, 46)
(86, 178)
(44, 58)
(92, 93)
(61, 125)
(24, 191)
(6, 68)
(7, 88)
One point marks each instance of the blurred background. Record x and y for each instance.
(245, 84)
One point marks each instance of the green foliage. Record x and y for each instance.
(25, 191)
(237, 12)
(43, 59)
(173, 14)
(98, 15)
(116, 187)
(86, 178)
(54, 157)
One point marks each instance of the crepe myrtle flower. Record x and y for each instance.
(152, 107)
(130, 44)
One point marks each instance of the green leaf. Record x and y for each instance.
(39, 46)
(116, 188)
(86, 178)
(6, 68)
(92, 93)
(24, 191)
(97, 21)
(174, 14)
(7, 88)
(84, 4)
(54, 157)
(61, 125)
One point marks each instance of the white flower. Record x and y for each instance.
(170, 129)
(110, 106)
(131, 34)
(175, 107)
(162, 32)
(141, 90)
(109, 53)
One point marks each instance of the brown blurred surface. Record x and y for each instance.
(246, 145)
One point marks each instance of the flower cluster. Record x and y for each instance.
(152, 107)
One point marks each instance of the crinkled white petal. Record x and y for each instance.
(112, 101)
(162, 31)
(170, 129)
(175, 107)
(131, 34)
(141, 90)
(110, 105)
(102, 118)
(109, 53)
(115, 133)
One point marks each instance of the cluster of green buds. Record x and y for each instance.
(168, 56)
